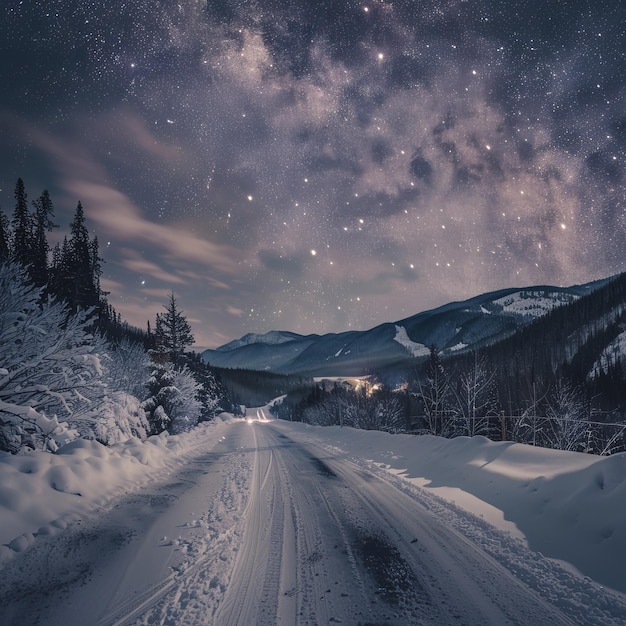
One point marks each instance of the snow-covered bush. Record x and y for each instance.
(173, 404)
(49, 366)
(185, 406)
(125, 365)
(120, 418)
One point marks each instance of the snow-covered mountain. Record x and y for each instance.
(271, 338)
(453, 327)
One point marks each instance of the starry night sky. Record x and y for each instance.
(321, 166)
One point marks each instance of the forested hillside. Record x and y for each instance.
(557, 382)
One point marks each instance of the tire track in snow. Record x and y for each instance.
(328, 585)
(255, 560)
(565, 597)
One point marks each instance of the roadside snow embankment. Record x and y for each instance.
(567, 505)
(40, 493)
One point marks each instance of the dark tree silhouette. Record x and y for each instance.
(44, 212)
(4, 238)
(22, 226)
(172, 331)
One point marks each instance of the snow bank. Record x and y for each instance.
(40, 493)
(567, 505)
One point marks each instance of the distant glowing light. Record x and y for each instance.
(250, 198)
(563, 226)
(381, 56)
(313, 252)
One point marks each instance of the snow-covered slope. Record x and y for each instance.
(415, 349)
(534, 303)
(40, 493)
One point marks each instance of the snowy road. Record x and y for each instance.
(269, 527)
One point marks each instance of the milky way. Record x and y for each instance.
(321, 166)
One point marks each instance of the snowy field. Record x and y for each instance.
(274, 522)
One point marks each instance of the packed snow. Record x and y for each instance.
(269, 522)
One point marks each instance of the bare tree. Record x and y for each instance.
(436, 396)
(476, 397)
(569, 426)
(531, 427)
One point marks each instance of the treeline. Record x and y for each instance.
(368, 406)
(69, 365)
(67, 272)
(256, 388)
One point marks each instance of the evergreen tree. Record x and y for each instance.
(96, 267)
(44, 211)
(80, 263)
(60, 275)
(172, 331)
(4, 238)
(160, 386)
(22, 227)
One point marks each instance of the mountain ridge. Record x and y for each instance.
(452, 327)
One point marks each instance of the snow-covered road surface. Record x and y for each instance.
(267, 526)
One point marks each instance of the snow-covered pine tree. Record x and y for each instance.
(160, 386)
(212, 393)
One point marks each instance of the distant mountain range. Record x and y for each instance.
(454, 327)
